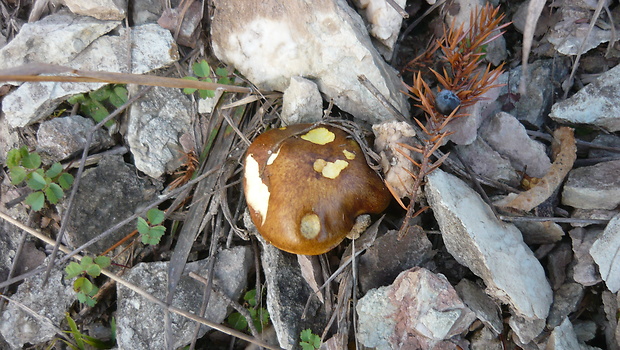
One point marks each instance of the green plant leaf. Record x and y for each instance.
(79, 98)
(103, 261)
(102, 94)
(93, 270)
(202, 69)
(237, 321)
(118, 96)
(154, 235)
(189, 91)
(95, 110)
(36, 200)
(13, 158)
(54, 170)
(36, 181)
(221, 72)
(225, 81)
(142, 226)
(73, 269)
(53, 193)
(250, 297)
(155, 216)
(86, 262)
(65, 181)
(77, 336)
(31, 161)
(18, 174)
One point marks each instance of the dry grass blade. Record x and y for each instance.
(54, 73)
(534, 9)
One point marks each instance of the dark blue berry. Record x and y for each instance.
(446, 101)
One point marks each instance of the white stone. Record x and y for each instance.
(152, 47)
(100, 9)
(271, 41)
(56, 39)
(605, 253)
(384, 22)
(491, 249)
(419, 310)
(155, 125)
(596, 104)
(505, 134)
(301, 102)
(563, 337)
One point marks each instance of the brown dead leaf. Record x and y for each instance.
(566, 155)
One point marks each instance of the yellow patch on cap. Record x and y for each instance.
(320, 136)
(330, 170)
(310, 226)
(349, 155)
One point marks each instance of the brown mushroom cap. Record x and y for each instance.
(306, 186)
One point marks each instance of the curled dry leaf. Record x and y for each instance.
(566, 154)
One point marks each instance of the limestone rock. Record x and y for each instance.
(152, 48)
(505, 134)
(100, 9)
(301, 102)
(484, 160)
(604, 251)
(271, 41)
(384, 22)
(493, 250)
(155, 125)
(230, 276)
(593, 187)
(60, 138)
(420, 310)
(584, 270)
(596, 104)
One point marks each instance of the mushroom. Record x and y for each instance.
(306, 185)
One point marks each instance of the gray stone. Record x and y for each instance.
(559, 259)
(607, 140)
(526, 329)
(486, 310)
(584, 270)
(55, 39)
(465, 130)
(301, 102)
(484, 160)
(485, 339)
(108, 194)
(146, 11)
(270, 41)
(596, 104)
(287, 294)
(155, 125)
(49, 301)
(568, 34)
(563, 337)
(420, 310)
(230, 276)
(533, 107)
(505, 134)
(389, 255)
(593, 187)
(540, 232)
(100, 9)
(605, 250)
(61, 138)
(187, 32)
(565, 301)
(493, 250)
(152, 47)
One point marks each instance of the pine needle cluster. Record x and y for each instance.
(461, 51)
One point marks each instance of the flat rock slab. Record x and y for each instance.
(493, 250)
(593, 187)
(605, 253)
(100, 9)
(326, 41)
(141, 322)
(596, 104)
(420, 310)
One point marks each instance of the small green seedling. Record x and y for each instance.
(309, 341)
(152, 231)
(84, 288)
(259, 315)
(47, 184)
(81, 340)
(96, 104)
(202, 70)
